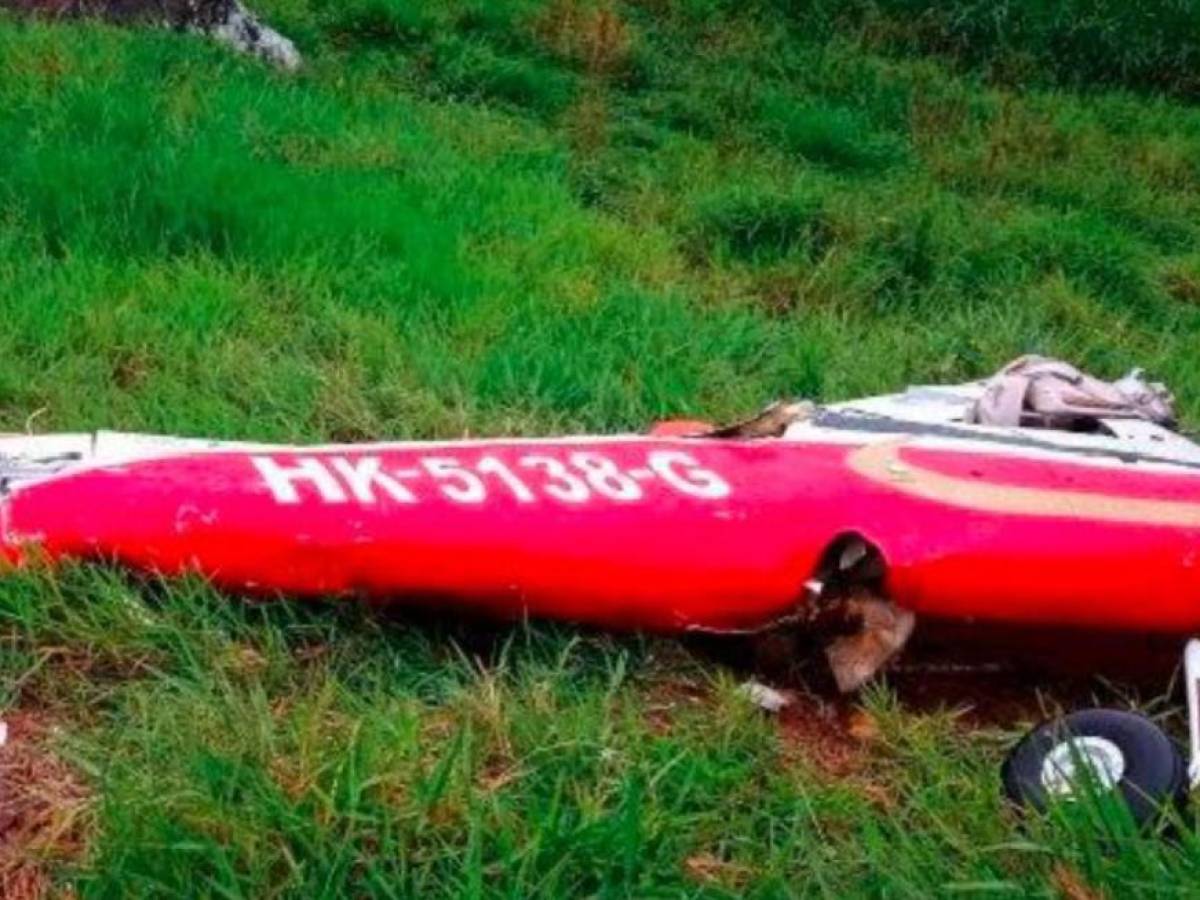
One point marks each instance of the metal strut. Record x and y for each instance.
(1191, 677)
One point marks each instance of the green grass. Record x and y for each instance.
(526, 217)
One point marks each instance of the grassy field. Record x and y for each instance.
(530, 216)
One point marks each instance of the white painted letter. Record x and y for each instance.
(363, 475)
(684, 474)
(282, 479)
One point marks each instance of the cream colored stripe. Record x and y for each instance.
(881, 463)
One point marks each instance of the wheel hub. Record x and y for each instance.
(1080, 762)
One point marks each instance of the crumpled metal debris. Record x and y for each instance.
(773, 421)
(883, 631)
(1039, 392)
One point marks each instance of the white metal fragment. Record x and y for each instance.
(764, 697)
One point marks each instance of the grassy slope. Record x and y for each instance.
(524, 217)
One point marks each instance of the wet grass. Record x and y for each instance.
(526, 217)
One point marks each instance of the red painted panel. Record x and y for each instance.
(656, 533)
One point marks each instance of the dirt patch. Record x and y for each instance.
(832, 738)
(987, 675)
(44, 809)
(822, 734)
(1006, 677)
(835, 740)
(665, 700)
(991, 675)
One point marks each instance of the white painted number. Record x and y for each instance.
(464, 486)
(562, 484)
(605, 478)
(584, 476)
(490, 465)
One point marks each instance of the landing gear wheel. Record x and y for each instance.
(1097, 751)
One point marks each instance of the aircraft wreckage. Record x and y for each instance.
(1041, 497)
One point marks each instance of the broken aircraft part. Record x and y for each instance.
(1092, 753)
(655, 531)
(860, 515)
(850, 520)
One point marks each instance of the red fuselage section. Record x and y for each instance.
(666, 534)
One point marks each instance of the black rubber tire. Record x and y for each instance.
(1155, 773)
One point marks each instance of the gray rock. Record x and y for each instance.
(227, 21)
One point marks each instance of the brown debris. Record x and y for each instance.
(771, 422)
(497, 773)
(290, 777)
(862, 726)
(44, 808)
(1070, 884)
(709, 868)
